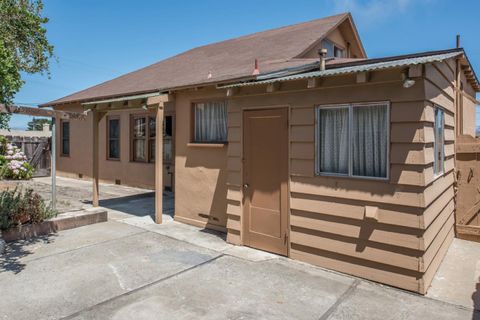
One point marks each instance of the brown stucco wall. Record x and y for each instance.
(200, 175)
(79, 162)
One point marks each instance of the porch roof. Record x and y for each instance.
(123, 98)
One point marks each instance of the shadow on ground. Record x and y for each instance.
(218, 234)
(11, 260)
(139, 205)
(476, 301)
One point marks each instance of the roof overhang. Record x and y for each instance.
(121, 99)
(362, 66)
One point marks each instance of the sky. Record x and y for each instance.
(96, 41)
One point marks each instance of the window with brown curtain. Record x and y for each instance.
(143, 138)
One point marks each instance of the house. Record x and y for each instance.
(292, 141)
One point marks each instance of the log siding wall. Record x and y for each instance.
(327, 226)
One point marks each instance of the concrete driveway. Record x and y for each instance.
(132, 269)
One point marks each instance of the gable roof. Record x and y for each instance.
(227, 60)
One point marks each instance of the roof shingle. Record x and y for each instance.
(231, 59)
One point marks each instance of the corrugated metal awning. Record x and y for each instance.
(405, 62)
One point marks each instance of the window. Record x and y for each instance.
(338, 52)
(113, 138)
(439, 150)
(332, 49)
(152, 132)
(65, 137)
(210, 122)
(139, 139)
(143, 139)
(168, 139)
(352, 140)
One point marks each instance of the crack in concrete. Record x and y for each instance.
(340, 300)
(148, 285)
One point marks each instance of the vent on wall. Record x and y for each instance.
(117, 181)
(206, 216)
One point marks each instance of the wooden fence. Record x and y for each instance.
(36, 147)
(468, 188)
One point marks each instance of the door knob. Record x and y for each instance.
(245, 186)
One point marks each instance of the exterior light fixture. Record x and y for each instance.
(407, 82)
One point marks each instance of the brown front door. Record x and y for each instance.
(265, 178)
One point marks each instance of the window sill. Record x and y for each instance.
(113, 159)
(142, 162)
(346, 176)
(207, 145)
(439, 175)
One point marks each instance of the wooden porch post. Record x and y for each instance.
(159, 165)
(97, 116)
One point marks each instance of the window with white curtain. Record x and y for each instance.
(210, 122)
(439, 148)
(353, 140)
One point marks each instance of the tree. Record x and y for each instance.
(37, 124)
(23, 47)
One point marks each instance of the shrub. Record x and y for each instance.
(3, 149)
(14, 163)
(17, 208)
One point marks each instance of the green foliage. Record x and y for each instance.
(17, 208)
(23, 46)
(37, 124)
(3, 149)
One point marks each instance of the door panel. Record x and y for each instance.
(265, 177)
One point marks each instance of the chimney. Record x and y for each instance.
(46, 127)
(322, 52)
(256, 70)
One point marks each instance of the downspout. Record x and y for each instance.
(456, 121)
(458, 96)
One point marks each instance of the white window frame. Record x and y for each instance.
(435, 146)
(350, 144)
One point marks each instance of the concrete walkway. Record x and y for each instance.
(458, 278)
(116, 270)
(74, 194)
(131, 267)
